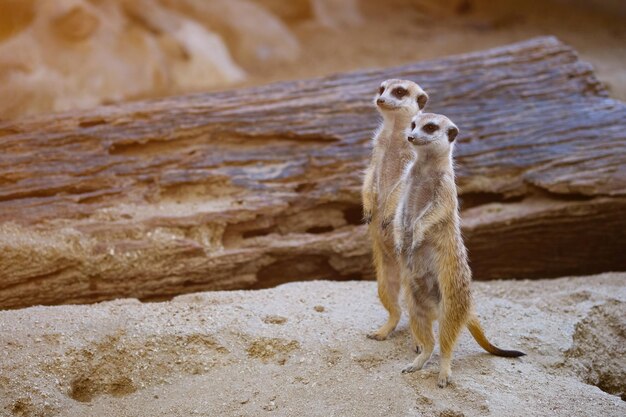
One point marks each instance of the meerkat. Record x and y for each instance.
(397, 101)
(436, 276)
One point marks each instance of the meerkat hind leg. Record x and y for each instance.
(449, 330)
(388, 277)
(421, 325)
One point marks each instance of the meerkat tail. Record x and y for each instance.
(477, 332)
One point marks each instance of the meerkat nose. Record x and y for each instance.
(410, 138)
(380, 101)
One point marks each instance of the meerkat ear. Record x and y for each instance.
(422, 99)
(452, 133)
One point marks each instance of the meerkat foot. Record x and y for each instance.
(384, 332)
(419, 362)
(375, 336)
(409, 369)
(444, 379)
(416, 365)
(445, 372)
(379, 335)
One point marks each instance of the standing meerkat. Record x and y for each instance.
(397, 101)
(435, 272)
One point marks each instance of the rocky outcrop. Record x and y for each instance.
(254, 187)
(72, 54)
(300, 350)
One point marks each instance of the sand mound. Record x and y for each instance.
(595, 360)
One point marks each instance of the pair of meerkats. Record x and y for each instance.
(410, 203)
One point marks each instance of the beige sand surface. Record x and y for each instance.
(300, 350)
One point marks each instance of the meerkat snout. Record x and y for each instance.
(410, 137)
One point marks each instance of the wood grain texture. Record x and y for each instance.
(254, 187)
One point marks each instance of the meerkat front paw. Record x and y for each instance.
(398, 243)
(417, 242)
(417, 234)
(402, 243)
(367, 218)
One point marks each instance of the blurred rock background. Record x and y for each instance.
(58, 55)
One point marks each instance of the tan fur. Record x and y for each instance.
(391, 153)
(434, 265)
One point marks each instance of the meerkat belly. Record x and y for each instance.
(391, 170)
(390, 174)
(422, 275)
(420, 197)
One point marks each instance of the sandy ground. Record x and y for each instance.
(300, 350)
(402, 31)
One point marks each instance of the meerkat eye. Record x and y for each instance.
(400, 92)
(430, 128)
(381, 90)
(413, 126)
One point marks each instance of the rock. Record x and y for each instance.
(76, 54)
(254, 187)
(254, 35)
(337, 13)
(216, 353)
(73, 54)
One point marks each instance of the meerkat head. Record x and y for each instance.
(400, 97)
(433, 132)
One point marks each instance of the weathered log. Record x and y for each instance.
(254, 187)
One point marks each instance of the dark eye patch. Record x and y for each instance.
(430, 128)
(412, 125)
(381, 90)
(400, 92)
